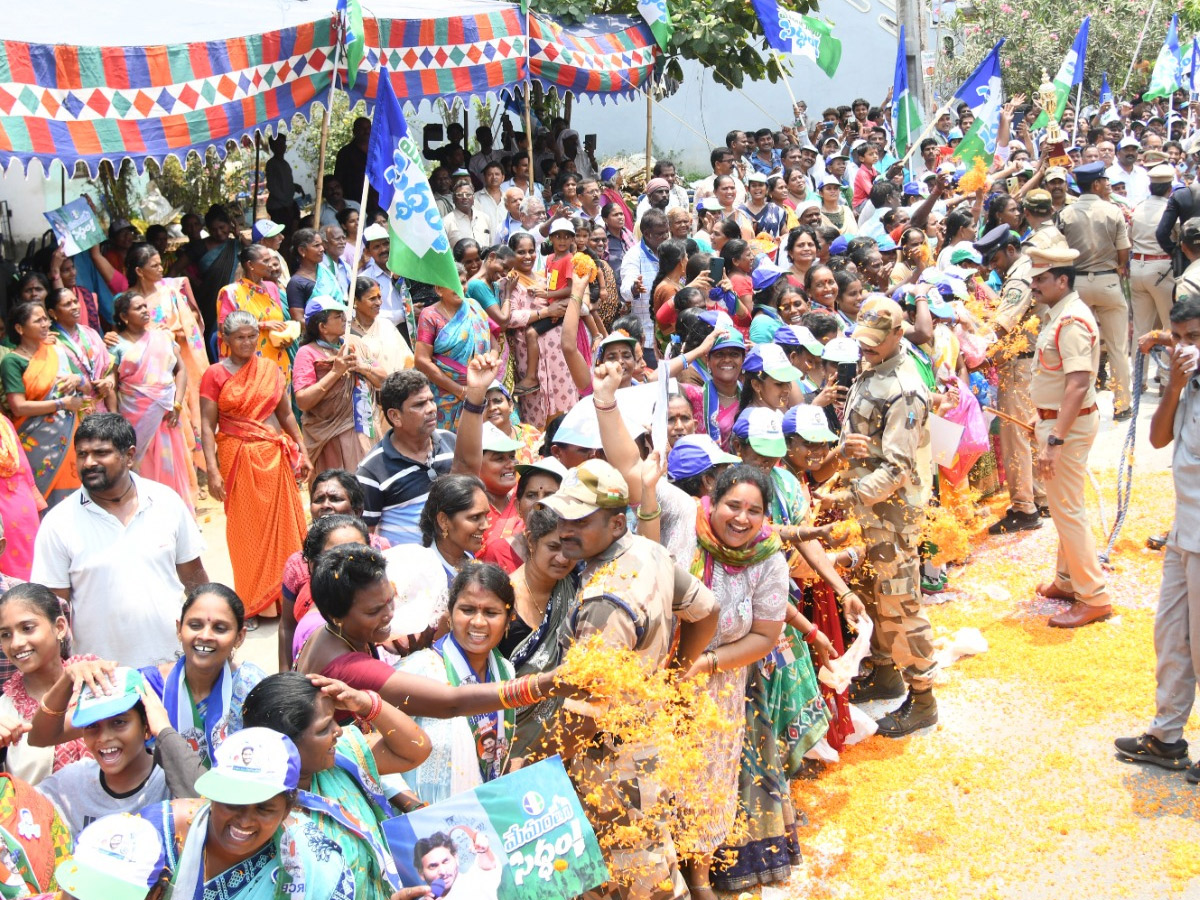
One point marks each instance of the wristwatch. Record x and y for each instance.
(1053, 441)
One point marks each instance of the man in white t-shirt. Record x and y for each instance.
(122, 551)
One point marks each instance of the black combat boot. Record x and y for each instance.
(919, 710)
(883, 682)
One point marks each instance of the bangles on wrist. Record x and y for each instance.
(644, 517)
(470, 407)
(57, 713)
(376, 707)
(604, 407)
(713, 663)
(523, 691)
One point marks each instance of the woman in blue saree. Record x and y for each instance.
(449, 333)
(252, 790)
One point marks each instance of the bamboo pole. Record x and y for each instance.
(337, 57)
(529, 133)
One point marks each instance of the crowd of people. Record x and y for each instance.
(439, 492)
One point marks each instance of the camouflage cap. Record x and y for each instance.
(878, 317)
(591, 486)
(1039, 202)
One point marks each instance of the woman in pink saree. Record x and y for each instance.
(151, 382)
(172, 307)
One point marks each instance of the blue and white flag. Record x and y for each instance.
(807, 36)
(906, 119)
(1164, 80)
(984, 94)
(1070, 73)
(420, 248)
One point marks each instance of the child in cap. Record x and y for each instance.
(118, 857)
(122, 775)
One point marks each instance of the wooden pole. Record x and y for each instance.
(337, 56)
(254, 196)
(359, 243)
(529, 133)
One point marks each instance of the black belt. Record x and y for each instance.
(1101, 272)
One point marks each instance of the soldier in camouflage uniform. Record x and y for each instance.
(885, 424)
(1001, 252)
(632, 593)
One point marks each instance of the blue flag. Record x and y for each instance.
(983, 93)
(420, 248)
(906, 119)
(1106, 94)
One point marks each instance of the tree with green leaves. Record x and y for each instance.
(1040, 32)
(722, 35)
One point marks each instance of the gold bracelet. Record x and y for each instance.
(712, 654)
(57, 713)
(642, 517)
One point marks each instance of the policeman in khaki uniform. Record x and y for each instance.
(1039, 214)
(632, 593)
(1096, 229)
(1001, 252)
(1150, 283)
(1064, 392)
(885, 425)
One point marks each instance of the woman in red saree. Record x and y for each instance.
(44, 394)
(255, 454)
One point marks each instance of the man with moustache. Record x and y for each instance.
(122, 550)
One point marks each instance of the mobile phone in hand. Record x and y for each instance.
(846, 373)
(716, 269)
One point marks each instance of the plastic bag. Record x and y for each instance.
(837, 674)
(864, 726)
(974, 442)
(965, 642)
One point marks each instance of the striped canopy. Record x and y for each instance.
(127, 91)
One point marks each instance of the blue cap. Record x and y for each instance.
(126, 693)
(265, 228)
(798, 336)
(771, 359)
(955, 134)
(695, 454)
(886, 244)
(1088, 173)
(912, 189)
(838, 247)
(321, 304)
(607, 173)
(766, 275)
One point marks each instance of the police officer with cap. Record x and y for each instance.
(1002, 253)
(1056, 183)
(1038, 206)
(1096, 229)
(1189, 281)
(1150, 282)
(1063, 391)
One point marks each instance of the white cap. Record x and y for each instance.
(842, 350)
(562, 225)
(375, 232)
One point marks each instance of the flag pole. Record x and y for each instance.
(1133, 60)
(337, 57)
(529, 97)
(938, 113)
(783, 77)
(1078, 108)
(649, 127)
(359, 243)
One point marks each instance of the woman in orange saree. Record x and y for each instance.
(255, 453)
(44, 393)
